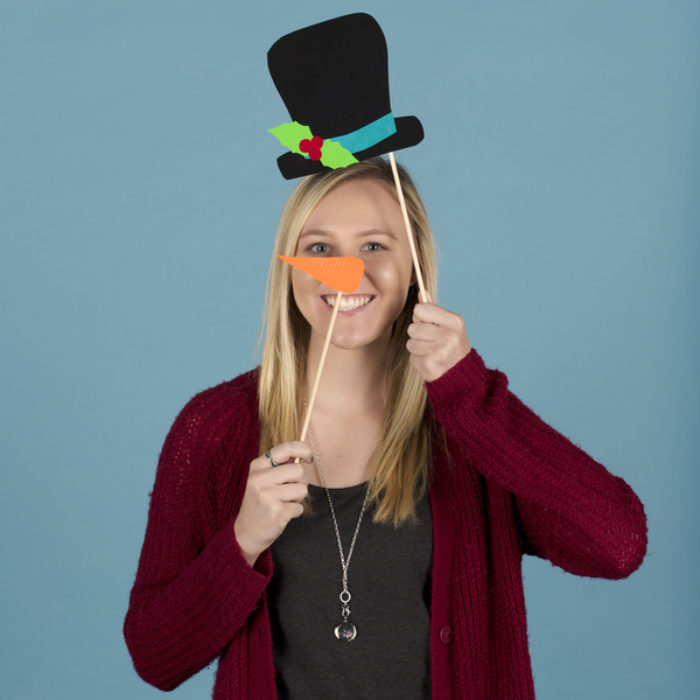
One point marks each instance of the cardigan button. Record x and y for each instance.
(446, 634)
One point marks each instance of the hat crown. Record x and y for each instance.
(333, 76)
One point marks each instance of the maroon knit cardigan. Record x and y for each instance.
(512, 485)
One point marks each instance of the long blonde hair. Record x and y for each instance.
(401, 468)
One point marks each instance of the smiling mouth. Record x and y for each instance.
(348, 302)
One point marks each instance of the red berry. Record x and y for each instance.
(312, 147)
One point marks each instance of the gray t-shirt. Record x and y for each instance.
(389, 578)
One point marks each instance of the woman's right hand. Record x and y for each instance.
(272, 497)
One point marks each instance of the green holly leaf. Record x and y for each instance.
(334, 155)
(290, 134)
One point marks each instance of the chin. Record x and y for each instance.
(348, 340)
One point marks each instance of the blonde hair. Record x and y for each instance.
(401, 467)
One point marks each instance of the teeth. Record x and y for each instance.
(348, 303)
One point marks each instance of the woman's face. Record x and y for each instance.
(358, 218)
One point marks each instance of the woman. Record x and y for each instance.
(386, 562)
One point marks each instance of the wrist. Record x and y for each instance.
(250, 554)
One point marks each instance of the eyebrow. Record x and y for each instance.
(360, 234)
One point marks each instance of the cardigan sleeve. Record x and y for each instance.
(572, 511)
(189, 598)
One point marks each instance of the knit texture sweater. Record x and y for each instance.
(503, 484)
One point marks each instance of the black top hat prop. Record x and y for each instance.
(334, 81)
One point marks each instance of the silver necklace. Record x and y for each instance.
(346, 630)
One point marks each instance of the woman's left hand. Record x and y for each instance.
(437, 340)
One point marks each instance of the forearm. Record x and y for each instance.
(174, 629)
(575, 512)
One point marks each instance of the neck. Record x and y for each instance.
(352, 381)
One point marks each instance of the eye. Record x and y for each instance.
(318, 248)
(373, 246)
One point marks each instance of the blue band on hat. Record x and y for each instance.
(368, 135)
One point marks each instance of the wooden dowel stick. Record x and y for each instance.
(409, 232)
(326, 343)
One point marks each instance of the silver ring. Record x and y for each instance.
(270, 460)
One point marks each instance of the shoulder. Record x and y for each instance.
(232, 396)
(219, 411)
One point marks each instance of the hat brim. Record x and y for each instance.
(409, 132)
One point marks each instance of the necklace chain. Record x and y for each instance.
(345, 631)
(344, 563)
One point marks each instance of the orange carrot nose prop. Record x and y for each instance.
(342, 274)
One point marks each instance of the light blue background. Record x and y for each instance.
(139, 197)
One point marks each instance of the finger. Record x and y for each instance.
(293, 510)
(291, 493)
(419, 348)
(424, 312)
(289, 451)
(426, 331)
(284, 474)
(432, 313)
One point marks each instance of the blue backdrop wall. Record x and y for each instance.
(139, 196)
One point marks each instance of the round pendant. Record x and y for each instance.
(346, 631)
